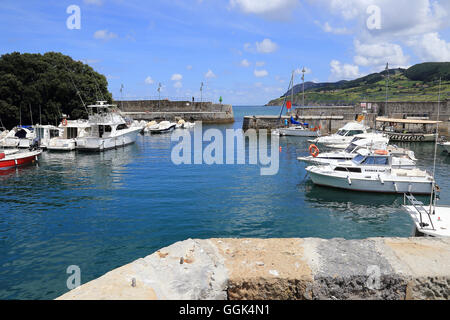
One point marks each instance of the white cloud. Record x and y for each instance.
(329, 29)
(149, 80)
(378, 54)
(189, 67)
(245, 63)
(178, 85)
(260, 73)
(430, 47)
(260, 63)
(412, 24)
(95, 2)
(176, 77)
(104, 35)
(266, 46)
(272, 9)
(210, 74)
(341, 71)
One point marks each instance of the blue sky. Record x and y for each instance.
(243, 50)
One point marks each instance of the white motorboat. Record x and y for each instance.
(433, 221)
(373, 172)
(108, 129)
(298, 131)
(402, 158)
(44, 134)
(446, 146)
(343, 136)
(162, 127)
(71, 129)
(18, 137)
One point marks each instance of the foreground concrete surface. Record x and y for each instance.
(375, 268)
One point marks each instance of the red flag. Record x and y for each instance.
(288, 105)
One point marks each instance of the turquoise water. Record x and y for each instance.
(101, 211)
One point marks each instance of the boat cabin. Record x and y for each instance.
(351, 129)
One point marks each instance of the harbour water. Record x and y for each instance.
(101, 211)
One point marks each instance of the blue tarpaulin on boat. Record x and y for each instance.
(293, 121)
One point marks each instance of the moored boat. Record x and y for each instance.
(9, 160)
(408, 130)
(373, 172)
(343, 136)
(109, 129)
(162, 127)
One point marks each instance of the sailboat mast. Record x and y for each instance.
(292, 89)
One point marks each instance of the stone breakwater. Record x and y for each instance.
(374, 268)
(149, 110)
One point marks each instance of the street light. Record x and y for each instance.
(201, 93)
(159, 92)
(303, 78)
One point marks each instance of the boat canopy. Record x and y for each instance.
(409, 121)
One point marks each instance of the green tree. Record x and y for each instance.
(45, 87)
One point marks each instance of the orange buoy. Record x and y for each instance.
(313, 150)
(381, 152)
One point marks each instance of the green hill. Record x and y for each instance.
(418, 83)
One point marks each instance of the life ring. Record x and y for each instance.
(313, 150)
(64, 122)
(382, 152)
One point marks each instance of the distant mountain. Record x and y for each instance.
(418, 82)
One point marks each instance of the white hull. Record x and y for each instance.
(440, 221)
(101, 144)
(298, 132)
(446, 146)
(373, 184)
(62, 145)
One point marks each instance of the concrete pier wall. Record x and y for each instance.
(173, 110)
(306, 269)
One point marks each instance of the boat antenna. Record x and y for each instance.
(76, 89)
(433, 191)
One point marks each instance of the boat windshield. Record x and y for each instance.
(358, 159)
(341, 132)
(376, 161)
(350, 148)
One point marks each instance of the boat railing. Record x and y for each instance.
(419, 207)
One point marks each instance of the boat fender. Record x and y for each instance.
(395, 187)
(313, 150)
(349, 180)
(381, 180)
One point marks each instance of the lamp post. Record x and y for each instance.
(303, 79)
(201, 93)
(159, 92)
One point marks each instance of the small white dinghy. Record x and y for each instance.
(162, 127)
